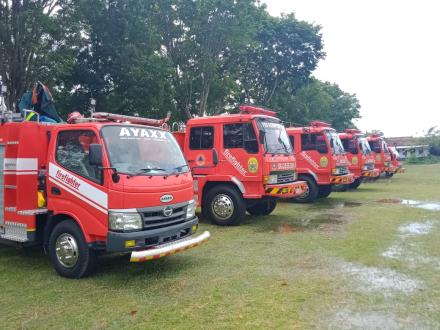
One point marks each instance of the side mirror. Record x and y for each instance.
(214, 157)
(322, 148)
(95, 154)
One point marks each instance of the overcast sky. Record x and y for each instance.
(386, 52)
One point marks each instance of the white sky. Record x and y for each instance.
(386, 52)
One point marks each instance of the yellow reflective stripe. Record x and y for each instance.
(30, 115)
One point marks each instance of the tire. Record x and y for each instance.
(264, 207)
(324, 191)
(355, 184)
(226, 199)
(389, 175)
(312, 191)
(68, 234)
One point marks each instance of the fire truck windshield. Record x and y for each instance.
(364, 146)
(275, 138)
(335, 142)
(136, 150)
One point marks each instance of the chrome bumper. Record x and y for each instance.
(165, 250)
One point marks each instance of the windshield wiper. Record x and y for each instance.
(177, 170)
(145, 171)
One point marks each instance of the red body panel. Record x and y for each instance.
(359, 161)
(381, 154)
(30, 153)
(318, 165)
(235, 165)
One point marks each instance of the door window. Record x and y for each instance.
(240, 136)
(201, 138)
(72, 152)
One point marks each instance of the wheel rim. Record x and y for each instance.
(222, 206)
(66, 249)
(306, 193)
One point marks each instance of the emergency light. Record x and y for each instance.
(249, 109)
(317, 123)
(353, 131)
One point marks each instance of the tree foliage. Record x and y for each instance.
(191, 57)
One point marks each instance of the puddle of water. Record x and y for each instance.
(382, 280)
(430, 206)
(347, 319)
(409, 252)
(339, 204)
(310, 223)
(416, 228)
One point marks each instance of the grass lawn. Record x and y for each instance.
(354, 260)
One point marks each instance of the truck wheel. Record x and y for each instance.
(265, 207)
(68, 251)
(311, 193)
(324, 191)
(355, 184)
(224, 206)
(389, 175)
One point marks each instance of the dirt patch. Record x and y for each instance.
(390, 201)
(320, 221)
(336, 204)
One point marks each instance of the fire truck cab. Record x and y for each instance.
(381, 154)
(240, 162)
(359, 155)
(105, 184)
(321, 159)
(396, 161)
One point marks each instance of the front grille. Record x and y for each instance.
(285, 177)
(343, 170)
(369, 167)
(154, 217)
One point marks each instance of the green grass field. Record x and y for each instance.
(355, 260)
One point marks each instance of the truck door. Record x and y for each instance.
(74, 186)
(200, 151)
(240, 152)
(314, 152)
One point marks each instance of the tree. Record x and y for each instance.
(432, 138)
(319, 101)
(281, 59)
(199, 40)
(29, 31)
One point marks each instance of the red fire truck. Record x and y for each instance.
(321, 159)
(240, 162)
(360, 157)
(105, 184)
(395, 161)
(381, 154)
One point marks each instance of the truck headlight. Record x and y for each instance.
(124, 221)
(271, 179)
(336, 171)
(191, 209)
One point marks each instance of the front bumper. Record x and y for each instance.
(144, 239)
(371, 174)
(342, 179)
(401, 170)
(165, 250)
(288, 190)
(390, 169)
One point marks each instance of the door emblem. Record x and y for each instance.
(166, 198)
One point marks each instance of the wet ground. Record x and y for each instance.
(430, 206)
